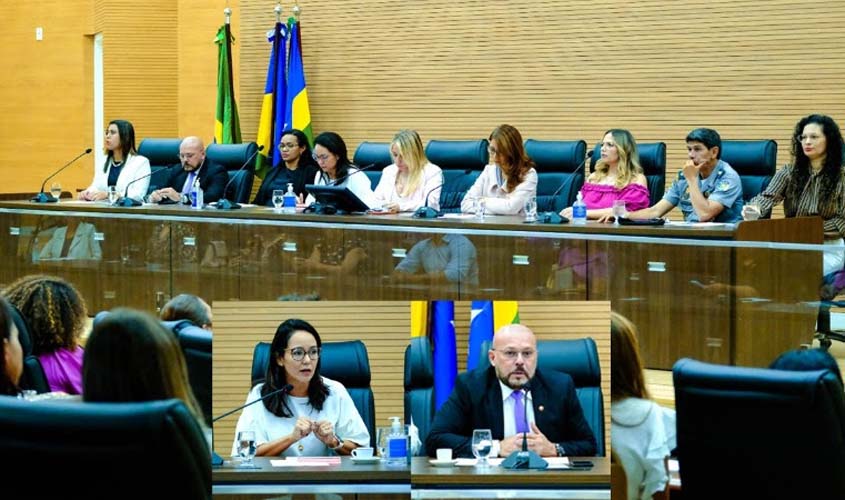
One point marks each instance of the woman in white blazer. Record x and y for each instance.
(123, 165)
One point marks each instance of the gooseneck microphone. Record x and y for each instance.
(341, 180)
(43, 197)
(426, 212)
(225, 204)
(525, 458)
(553, 217)
(217, 460)
(126, 201)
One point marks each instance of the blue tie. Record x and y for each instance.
(519, 416)
(189, 183)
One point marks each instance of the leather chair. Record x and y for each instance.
(345, 362)
(373, 153)
(196, 346)
(653, 160)
(419, 386)
(560, 172)
(233, 157)
(455, 158)
(33, 376)
(754, 161)
(154, 449)
(162, 153)
(767, 433)
(578, 358)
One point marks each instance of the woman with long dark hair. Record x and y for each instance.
(11, 359)
(336, 169)
(298, 168)
(123, 165)
(316, 416)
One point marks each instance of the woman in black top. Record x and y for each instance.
(299, 168)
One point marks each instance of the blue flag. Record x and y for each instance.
(445, 350)
(480, 330)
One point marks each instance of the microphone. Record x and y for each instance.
(217, 460)
(426, 212)
(43, 197)
(225, 204)
(525, 458)
(552, 217)
(343, 179)
(126, 201)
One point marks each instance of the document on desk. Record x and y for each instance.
(472, 462)
(458, 216)
(306, 462)
(558, 462)
(699, 224)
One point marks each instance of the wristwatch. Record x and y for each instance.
(339, 443)
(560, 450)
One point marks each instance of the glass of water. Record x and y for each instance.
(531, 209)
(56, 190)
(246, 448)
(381, 441)
(618, 210)
(113, 195)
(278, 199)
(482, 445)
(480, 206)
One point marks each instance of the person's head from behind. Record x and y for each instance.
(704, 146)
(120, 136)
(506, 150)
(295, 148)
(514, 355)
(11, 362)
(130, 357)
(190, 307)
(295, 360)
(191, 153)
(331, 155)
(801, 360)
(53, 309)
(626, 370)
(407, 152)
(619, 150)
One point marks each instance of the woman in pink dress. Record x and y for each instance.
(618, 176)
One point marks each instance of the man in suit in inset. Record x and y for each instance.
(194, 165)
(494, 398)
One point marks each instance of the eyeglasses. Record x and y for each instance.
(297, 353)
(493, 151)
(808, 137)
(288, 146)
(511, 355)
(186, 156)
(320, 158)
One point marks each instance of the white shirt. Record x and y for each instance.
(508, 407)
(639, 438)
(135, 167)
(432, 182)
(338, 409)
(359, 184)
(491, 184)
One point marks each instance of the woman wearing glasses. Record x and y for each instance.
(508, 181)
(411, 180)
(123, 165)
(812, 185)
(315, 417)
(299, 169)
(336, 169)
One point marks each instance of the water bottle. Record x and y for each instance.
(196, 196)
(579, 210)
(290, 200)
(397, 444)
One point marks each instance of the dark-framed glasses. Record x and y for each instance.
(297, 353)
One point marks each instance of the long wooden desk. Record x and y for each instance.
(717, 293)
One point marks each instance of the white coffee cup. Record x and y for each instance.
(444, 454)
(362, 453)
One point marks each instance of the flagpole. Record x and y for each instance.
(227, 12)
(278, 11)
(296, 11)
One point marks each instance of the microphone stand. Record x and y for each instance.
(552, 217)
(224, 203)
(525, 458)
(43, 197)
(426, 212)
(126, 201)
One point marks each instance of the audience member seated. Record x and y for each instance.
(64, 238)
(508, 181)
(123, 165)
(636, 423)
(812, 185)
(130, 357)
(56, 315)
(298, 168)
(804, 360)
(190, 307)
(315, 417)
(443, 259)
(335, 252)
(11, 362)
(555, 423)
(618, 176)
(707, 189)
(195, 167)
(336, 169)
(405, 184)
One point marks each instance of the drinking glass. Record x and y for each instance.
(56, 190)
(246, 448)
(278, 199)
(480, 205)
(618, 210)
(381, 441)
(113, 195)
(531, 209)
(482, 445)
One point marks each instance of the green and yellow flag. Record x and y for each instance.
(227, 126)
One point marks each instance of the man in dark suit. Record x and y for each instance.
(194, 165)
(494, 398)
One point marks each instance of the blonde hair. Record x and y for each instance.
(629, 159)
(411, 149)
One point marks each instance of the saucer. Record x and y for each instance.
(442, 463)
(366, 460)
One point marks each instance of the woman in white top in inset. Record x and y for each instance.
(123, 165)
(508, 181)
(411, 179)
(336, 169)
(316, 417)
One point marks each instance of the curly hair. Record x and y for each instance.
(53, 309)
(831, 170)
(513, 159)
(8, 387)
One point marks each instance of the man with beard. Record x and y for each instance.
(194, 167)
(492, 398)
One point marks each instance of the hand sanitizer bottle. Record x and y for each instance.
(579, 210)
(196, 196)
(397, 444)
(289, 200)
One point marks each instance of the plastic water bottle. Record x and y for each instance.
(579, 210)
(196, 196)
(289, 200)
(397, 444)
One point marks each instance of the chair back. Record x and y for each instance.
(162, 153)
(419, 386)
(103, 450)
(33, 376)
(559, 177)
(373, 153)
(754, 161)
(759, 431)
(196, 346)
(233, 157)
(345, 362)
(454, 158)
(578, 358)
(652, 160)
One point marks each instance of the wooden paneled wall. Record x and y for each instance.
(385, 329)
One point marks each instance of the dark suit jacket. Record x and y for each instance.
(278, 178)
(213, 179)
(476, 403)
